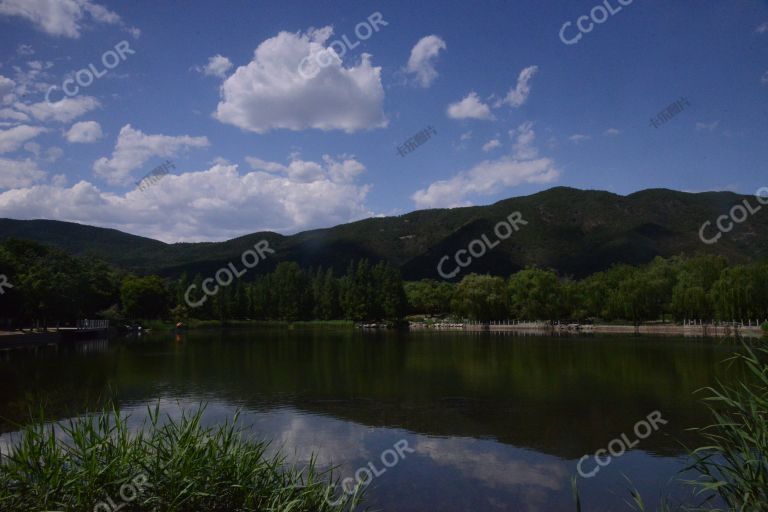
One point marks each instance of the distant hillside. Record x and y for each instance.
(573, 231)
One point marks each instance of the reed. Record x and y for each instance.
(733, 464)
(96, 462)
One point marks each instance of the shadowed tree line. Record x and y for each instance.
(50, 286)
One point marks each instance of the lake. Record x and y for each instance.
(495, 421)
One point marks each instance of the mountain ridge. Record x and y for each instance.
(574, 231)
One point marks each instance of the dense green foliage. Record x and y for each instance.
(704, 288)
(166, 466)
(50, 286)
(365, 292)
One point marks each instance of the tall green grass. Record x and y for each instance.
(733, 464)
(179, 465)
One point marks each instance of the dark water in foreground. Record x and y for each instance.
(497, 422)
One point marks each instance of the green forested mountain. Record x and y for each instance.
(573, 231)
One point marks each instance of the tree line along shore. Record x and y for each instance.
(51, 288)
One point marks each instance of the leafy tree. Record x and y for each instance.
(535, 294)
(144, 297)
(480, 297)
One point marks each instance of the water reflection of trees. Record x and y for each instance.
(563, 396)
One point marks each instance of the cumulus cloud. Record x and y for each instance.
(19, 173)
(63, 111)
(469, 108)
(84, 132)
(421, 63)
(214, 204)
(517, 97)
(611, 132)
(62, 18)
(491, 176)
(12, 138)
(218, 65)
(134, 148)
(764, 78)
(762, 28)
(270, 93)
(491, 145)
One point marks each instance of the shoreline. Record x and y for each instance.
(698, 331)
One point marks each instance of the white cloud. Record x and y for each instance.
(762, 28)
(764, 78)
(469, 108)
(49, 155)
(486, 178)
(707, 126)
(421, 63)
(63, 111)
(492, 176)
(19, 173)
(13, 138)
(518, 96)
(491, 145)
(578, 138)
(53, 153)
(344, 170)
(134, 148)
(611, 132)
(25, 50)
(84, 132)
(6, 85)
(466, 136)
(215, 204)
(269, 92)
(61, 18)
(218, 65)
(524, 138)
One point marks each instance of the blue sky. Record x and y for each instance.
(215, 88)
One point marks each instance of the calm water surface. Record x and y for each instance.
(497, 422)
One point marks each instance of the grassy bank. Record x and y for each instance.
(96, 463)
